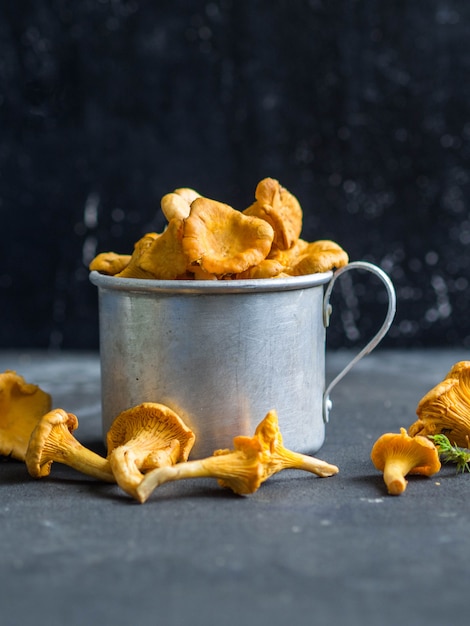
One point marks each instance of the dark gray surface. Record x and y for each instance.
(300, 550)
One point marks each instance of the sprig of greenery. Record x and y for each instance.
(452, 454)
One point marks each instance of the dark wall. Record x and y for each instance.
(360, 108)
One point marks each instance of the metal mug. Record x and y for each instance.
(222, 354)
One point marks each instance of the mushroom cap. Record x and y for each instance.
(268, 268)
(243, 468)
(187, 193)
(153, 424)
(141, 247)
(164, 259)
(280, 209)
(420, 451)
(445, 409)
(178, 202)
(49, 430)
(175, 206)
(458, 372)
(110, 263)
(288, 258)
(319, 256)
(22, 405)
(222, 240)
(457, 369)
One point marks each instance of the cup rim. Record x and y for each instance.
(249, 285)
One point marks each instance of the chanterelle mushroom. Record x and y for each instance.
(243, 469)
(178, 203)
(445, 409)
(222, 240)
(109, 263)
(279, 208)
(22, 405)
(142, 248)
(144, 437)
(397, 455)
(319, 256)
(52, 440)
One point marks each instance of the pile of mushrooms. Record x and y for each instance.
(442, 412)
(148, 445)
(205, 239)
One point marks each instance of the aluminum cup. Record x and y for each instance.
(222, 354)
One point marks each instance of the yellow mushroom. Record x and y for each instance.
(144, 437)
(319, 256)
(397, 455)
(158, 256)
(52, 440)
(445, 409)
(178, 203)
(268, 268)
(110, 263)
(280, 209)
(141, 248)
(165, 259)
(174, 206)
(222, 240)
(22, 405)
(243, 469)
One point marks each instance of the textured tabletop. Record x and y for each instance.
(300, 550)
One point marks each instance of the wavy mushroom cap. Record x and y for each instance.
(22, 405)
(223, 240)
(178, 203)
(152, 426)
(268, 268)
(420, 451)
(280, 209)
(165, 259)
(141, 247)
(109, 263)
(399, 454)
(457, 369)
(319, 256)
(174, 206)
(187, 193)
(48, 438)
(445, 409)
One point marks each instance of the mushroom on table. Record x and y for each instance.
(445, 409)
(52, 440)
(22, 405)
(398, 454)
(243, 469)
(145, 437)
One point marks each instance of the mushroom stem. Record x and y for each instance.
(397, 455)
(125, 462)
(244, 469)
(394, 474)
(52, 440)
(286, 459)
(144, 437)
(233, 466)
(82, 459)
(277, 457)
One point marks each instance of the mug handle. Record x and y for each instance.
(363, 265)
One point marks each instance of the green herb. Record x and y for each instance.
(452, 454)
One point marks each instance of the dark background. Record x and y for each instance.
(360, 108)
